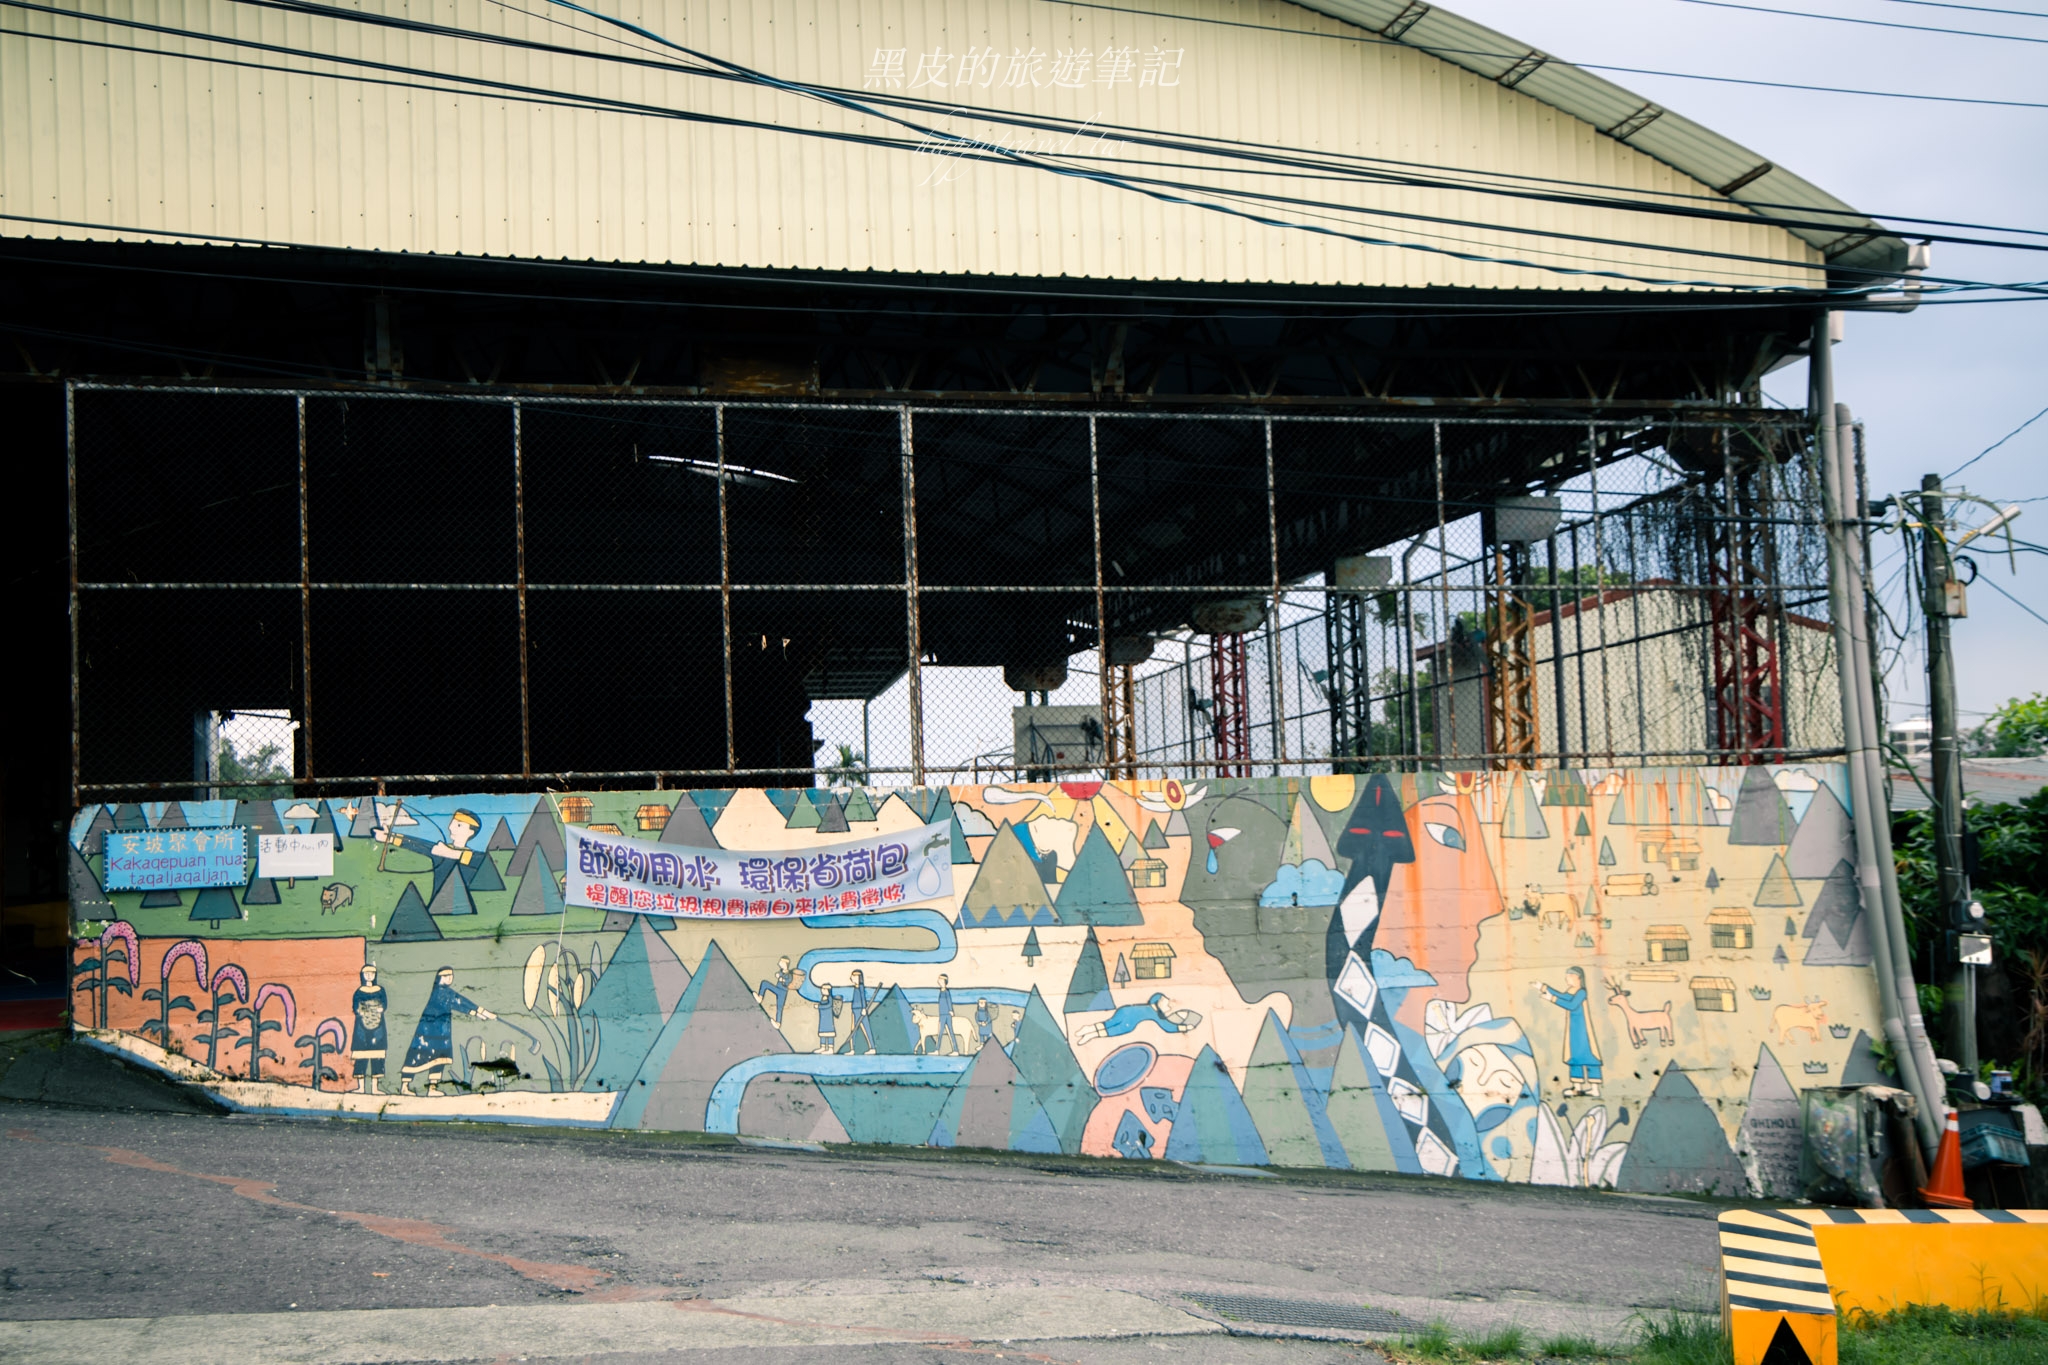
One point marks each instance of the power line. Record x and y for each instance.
(1997, 443)
(1584, 66)
(1992, 583)
(1871, 23)
(1979, 9)
(1148, 187)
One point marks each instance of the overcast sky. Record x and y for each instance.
(1935, 386)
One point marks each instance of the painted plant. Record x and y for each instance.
(230, 986)
(189, 950)
(252, 1015)
(323, 1042)
(557, 985)
(96, 972)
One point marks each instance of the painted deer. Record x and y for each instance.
(1808, 1018)
(1641, 1022)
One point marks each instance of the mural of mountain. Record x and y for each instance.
(501, 840)
(409, 921)
(716, 1025)
(1772, 1129)
(452, 899)
(1088, 988)
(989, 1101)
(1278, 1101)
(1678, 1147)
(1212, 1125)
(539, 893)
(1761, 815)
(1047, 1065)
(1823, 839)
(1837, 925)
(1097, 890)
(631, 1002)
(542, 833)
(1007, 880)
(1359, 1111)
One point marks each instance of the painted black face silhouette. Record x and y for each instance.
(1375, 837)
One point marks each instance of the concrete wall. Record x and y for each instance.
(1371, 972)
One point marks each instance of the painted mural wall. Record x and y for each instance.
(1603, 978)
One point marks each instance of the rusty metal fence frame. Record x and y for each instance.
(1802, 524)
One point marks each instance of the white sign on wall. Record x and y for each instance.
(294, 855)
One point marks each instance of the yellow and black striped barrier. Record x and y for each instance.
(1787, 1273)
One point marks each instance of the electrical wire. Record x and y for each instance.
(1166, 191)
(1979, 9)
(1992, 584)
(1512, 57)
(1996, 444)
(1872, 23)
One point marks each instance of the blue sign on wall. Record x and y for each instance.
(167, 859)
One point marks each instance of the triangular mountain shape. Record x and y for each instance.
(1606, 852)
(1123, 972)
(1861, 1067)
(1274, 1096)
(1566, 789)
(96, 832)
(892, 1025)
(1771, 1128)
(1128, 854)
(161, 900)
(1523, 816)
(1713, 879)
(258, 817)
(1358, 1111)
(686, 826)
(542, 833)
(804, 814)
(1212, 1124)
(260, 890)
(129, 816)
(1823, 839)
(174, 818)
(1678, 1147)
(216, 904)
(1785, 1348)
(1761, 816)
(963, 852)
(1177, 825)
(784, 799)
(1155, 837)
(451, 899)
(711, 805)
(1582, 830)
(1006, 879)
(990, 1098)
(1837, 925)
(501, 840)
(539, 893)
(1047, 1064)
(619, 921)
(1088, 987)
(859, 806)
(1097, 891)
(480, 873)
(1565, 863)
(409, 921)
(88, 898)
(1777, 889)
(714, 1027)
(323, 825)
(631, 1002)
(832, 817)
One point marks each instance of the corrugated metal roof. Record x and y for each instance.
(1726, 166)
(527, 130)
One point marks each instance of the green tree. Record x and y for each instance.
(248, 775)
(2017, 729)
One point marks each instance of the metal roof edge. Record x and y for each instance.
(1729, 169)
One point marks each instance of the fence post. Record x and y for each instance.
(1600, 591)
(305, 609)
(1446, 722)
(725, 589)
(910, 597)
(519, 566)
(1273, 674)
(1112, 720)
(71, 512)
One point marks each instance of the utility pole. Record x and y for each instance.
(1945, 600)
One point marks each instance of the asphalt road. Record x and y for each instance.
(119, 1221)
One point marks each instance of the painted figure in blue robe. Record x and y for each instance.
(828, 1027)
(1158, 1010)
(432, 1054)
(946, 1042)
(858, 1004)
(984, 1022)
(368, 1040)
(1582, 1055)
(777, 986)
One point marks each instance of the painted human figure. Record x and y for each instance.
(448, 854)
(432, 1054)
(947, 1043)
(778, 986)
(1581, 1054)
(1158, 1010)
(368, 1041)
(984, 1022)
(858, 1031)
(828, 1027)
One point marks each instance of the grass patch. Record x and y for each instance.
(1923, 1334)
(1431, 1343)
(1568, 1347)
(1502, 1343)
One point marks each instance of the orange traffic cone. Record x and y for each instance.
(1945, 1190)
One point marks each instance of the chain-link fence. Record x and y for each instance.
(420, 589)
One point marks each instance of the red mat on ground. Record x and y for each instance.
(21, 1014)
